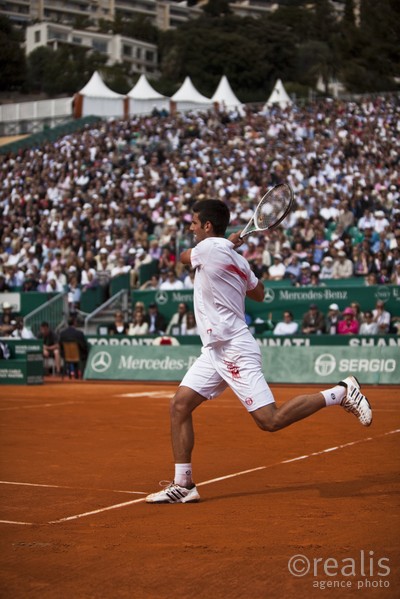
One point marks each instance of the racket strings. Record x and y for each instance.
(273, 208)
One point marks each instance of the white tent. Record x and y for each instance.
(278, 97)
(188, 99)
(96, 99)
(143, 98)
(225, 98)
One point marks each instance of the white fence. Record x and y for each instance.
(42, 109)
(33, 117)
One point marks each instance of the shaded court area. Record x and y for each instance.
(310, 510)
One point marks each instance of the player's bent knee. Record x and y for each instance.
(268, 426)
(267, 418)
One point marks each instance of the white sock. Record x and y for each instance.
(183, 475)
(334, 396)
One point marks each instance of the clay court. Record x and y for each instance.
(319, 498)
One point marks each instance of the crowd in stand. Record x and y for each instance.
(105, 201)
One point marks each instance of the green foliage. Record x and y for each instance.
(12, 59)
(217, 8)
(325, 22)
(252, 53)
(81, 22)
(140, 28)
(297, 20)
(62, 71)
(118, 77)
(348, 17)
(298, 43)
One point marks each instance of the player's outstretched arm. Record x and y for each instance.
(257, 293)
(185, 256)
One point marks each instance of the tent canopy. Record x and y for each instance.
(224, 95)
(143, 98)
(188, 99)
(278, 96)
(96, 88)
(96, 99)
(142, 90)
(188, 93)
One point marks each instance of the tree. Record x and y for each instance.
(63, 71)
(297, 20)
(140, 28)
(313, 61)
(38, 62)
(12, 58)
(349, 18)
(324, 20)
(371, 55)
(217, 8)
(252, 53)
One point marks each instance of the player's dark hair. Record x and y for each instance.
(214, 211)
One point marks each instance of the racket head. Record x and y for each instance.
(271, 210)
(274, 207)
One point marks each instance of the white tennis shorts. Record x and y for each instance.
(235, 364)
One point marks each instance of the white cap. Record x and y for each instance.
(333, 307)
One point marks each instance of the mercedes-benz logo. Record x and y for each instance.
(269, 295)
(161, 297)
(325, 364)
(101, 361)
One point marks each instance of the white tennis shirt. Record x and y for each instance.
(222, 279)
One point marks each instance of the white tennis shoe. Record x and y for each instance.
(355, 402)
(174, 493)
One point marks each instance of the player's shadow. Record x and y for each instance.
(372, 485)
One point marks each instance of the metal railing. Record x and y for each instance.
(119, 301)
(55, 312)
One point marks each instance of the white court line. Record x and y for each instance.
(156, 394)
(104, 509)
(23, 484)
(214, 480)
(41, 405)
(14, 522)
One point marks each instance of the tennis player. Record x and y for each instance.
(230, 355)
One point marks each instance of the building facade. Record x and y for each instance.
(142, 56)
(164, 14)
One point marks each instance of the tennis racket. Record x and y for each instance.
(272, 209)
